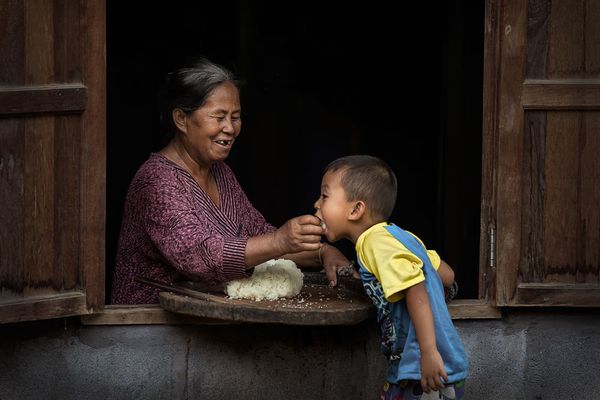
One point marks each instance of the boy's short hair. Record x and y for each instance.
(369, 179)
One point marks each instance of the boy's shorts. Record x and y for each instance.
(411, 390)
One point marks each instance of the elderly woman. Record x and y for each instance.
(186, 215)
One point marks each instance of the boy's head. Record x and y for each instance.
(359, 188)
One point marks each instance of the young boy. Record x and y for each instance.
(425, 353)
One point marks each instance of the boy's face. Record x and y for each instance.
(333, 208)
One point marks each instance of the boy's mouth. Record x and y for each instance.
(324, 225)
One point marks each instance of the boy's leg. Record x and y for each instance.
(405, 390)
(411, 390)
(459, 390)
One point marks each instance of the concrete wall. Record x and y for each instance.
(526, 355)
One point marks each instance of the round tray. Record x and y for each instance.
(317, 304)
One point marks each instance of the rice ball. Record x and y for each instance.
(270, 280)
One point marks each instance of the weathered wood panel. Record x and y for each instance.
(39, 201)
(68, 44)
(11, 153)
(548, 169)
(487, 267)
(12, 42)
(532, 198)
(561, 94)
(588, 234)
(560, 198)
(93, 157)
(53, 98)
(11, 205)
(52, 159)
(67, 152)
(567, 35)
(513, 23)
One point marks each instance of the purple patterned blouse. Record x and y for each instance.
(172, 230)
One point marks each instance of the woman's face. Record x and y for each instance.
(333, 208)
(208, 133)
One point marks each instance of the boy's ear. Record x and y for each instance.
(179, 119)
(358, 211)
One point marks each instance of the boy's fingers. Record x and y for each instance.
(425, 385)
(331, 276)
(438, 383)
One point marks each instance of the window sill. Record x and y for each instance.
(473, 309)
(153, 314)
(144, 314)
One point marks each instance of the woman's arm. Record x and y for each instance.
(432, 365)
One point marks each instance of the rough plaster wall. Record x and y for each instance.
(526, 355)
(180, 362)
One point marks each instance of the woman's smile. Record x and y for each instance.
(225, 143)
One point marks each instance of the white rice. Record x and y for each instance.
(270, 280)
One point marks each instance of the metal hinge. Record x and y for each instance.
(492, 247)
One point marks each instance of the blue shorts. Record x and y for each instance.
(411, 390)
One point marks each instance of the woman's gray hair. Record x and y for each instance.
(187, 88)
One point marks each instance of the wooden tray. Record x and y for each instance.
(317, 304)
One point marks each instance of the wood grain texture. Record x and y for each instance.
(43, 307)
(510, 147)
(566, 39)
(12, 180)
(12, 144)
(68, 44)
(565, 94)
(34, 99)
(532, 194)
(552, 294)
(315, 307)
(53, 159)
(93, 155)
(12, 43)
(491, 81)
(39, 201)
(67, 153)
(561, 170)
(547, 169)
(154, 314)
(151, 314)
(538, 16)
(588, 243)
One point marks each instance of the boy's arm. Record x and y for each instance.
(446, 274)
(432, 365)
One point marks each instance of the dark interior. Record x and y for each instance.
(319, 81)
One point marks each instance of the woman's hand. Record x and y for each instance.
(302, 233)
(332, 260)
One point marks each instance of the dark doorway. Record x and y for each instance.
(403, 84)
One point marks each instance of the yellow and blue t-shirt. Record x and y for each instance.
(392, 260)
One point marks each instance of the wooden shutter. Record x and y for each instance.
(52, 158)
(542, 146)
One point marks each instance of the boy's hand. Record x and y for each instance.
(433, 373)
(333, 260)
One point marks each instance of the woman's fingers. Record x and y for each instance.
(301, 233)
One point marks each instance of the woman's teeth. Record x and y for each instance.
(223, 142)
